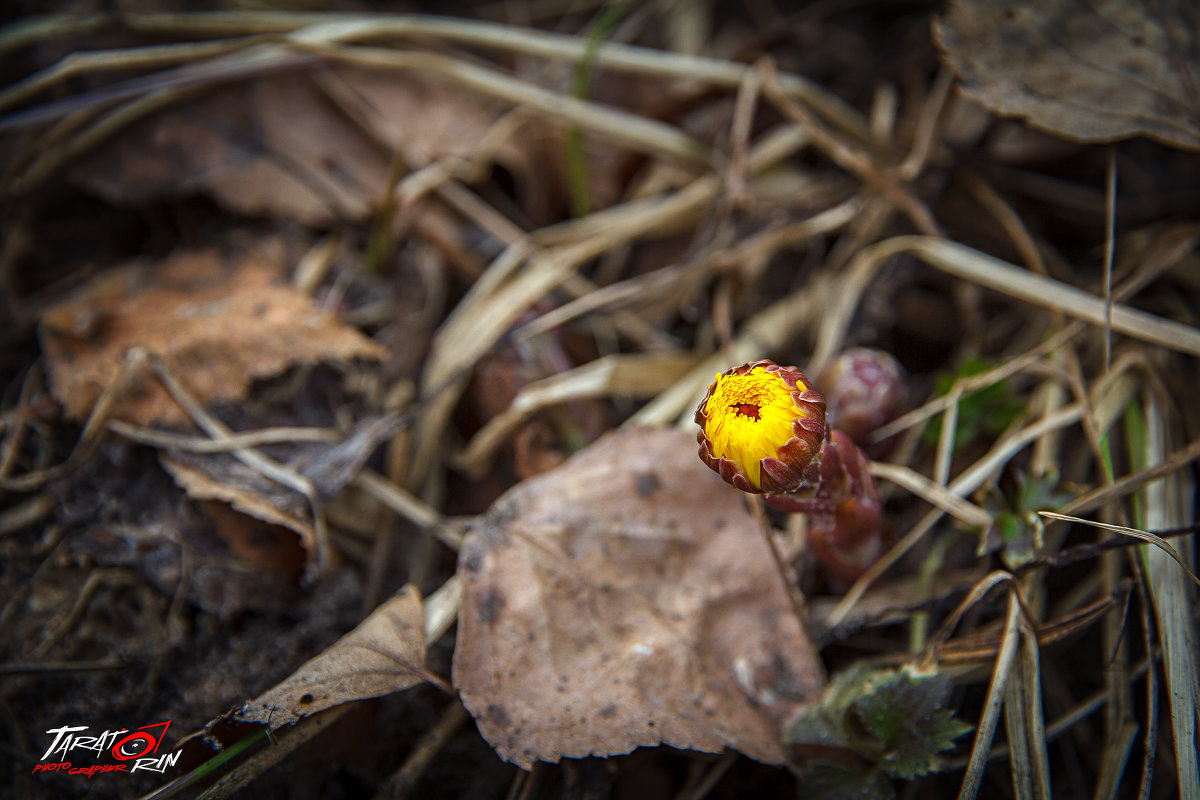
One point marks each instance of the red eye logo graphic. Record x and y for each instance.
(139, 743)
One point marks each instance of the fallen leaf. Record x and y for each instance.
(328, 466)
(244, 489)
(384, 654)
(628, 598)
(1090, 72)
(218, 324)
(310, 146)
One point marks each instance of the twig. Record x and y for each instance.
(93, 583)
(281, 474)
(401, 782)
(236, 441)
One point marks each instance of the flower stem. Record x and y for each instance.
(781, 565)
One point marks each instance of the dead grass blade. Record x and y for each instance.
(553, 46)
(1129, 484)
(1145, 536)
(990, 272)
(969, 264)
(195, 444)
(131, 58)
(641, 134)
(1174, 609)
(31, 30)
(995, 700)
(1002, 371)
(765, 333)
(933, 493)
(1030, 673)
(978, 591)
(1016, 723)
(441, 609)
(1116, 755)
(967, 481)
(678, 277)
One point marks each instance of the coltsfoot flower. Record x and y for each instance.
(762, 427)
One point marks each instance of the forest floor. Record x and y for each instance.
(349, 363)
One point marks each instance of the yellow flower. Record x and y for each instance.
(762, 427)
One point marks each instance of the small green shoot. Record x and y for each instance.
(1137, 440)
(208, 767)
(986, 411)
(576, 157)
(1018, 529)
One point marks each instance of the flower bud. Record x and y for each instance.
(864, 389)
(849, 540)
(762, 428)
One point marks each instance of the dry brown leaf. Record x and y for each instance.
(328, 466)
(313, 147)
(252, 495)
(1091, 72)
(217, 324)
(384, 654)
(628, 598)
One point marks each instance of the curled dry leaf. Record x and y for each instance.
(384, 654)
(628, 598)
(232, 482)
(1091, 72)
(218, 324)
(329, 466)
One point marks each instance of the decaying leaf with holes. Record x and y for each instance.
(627, 598)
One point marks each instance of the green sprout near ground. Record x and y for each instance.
(1018, 530)
(984, 412)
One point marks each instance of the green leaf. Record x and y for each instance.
(904, 713)
(825, 725)
(893, 719)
